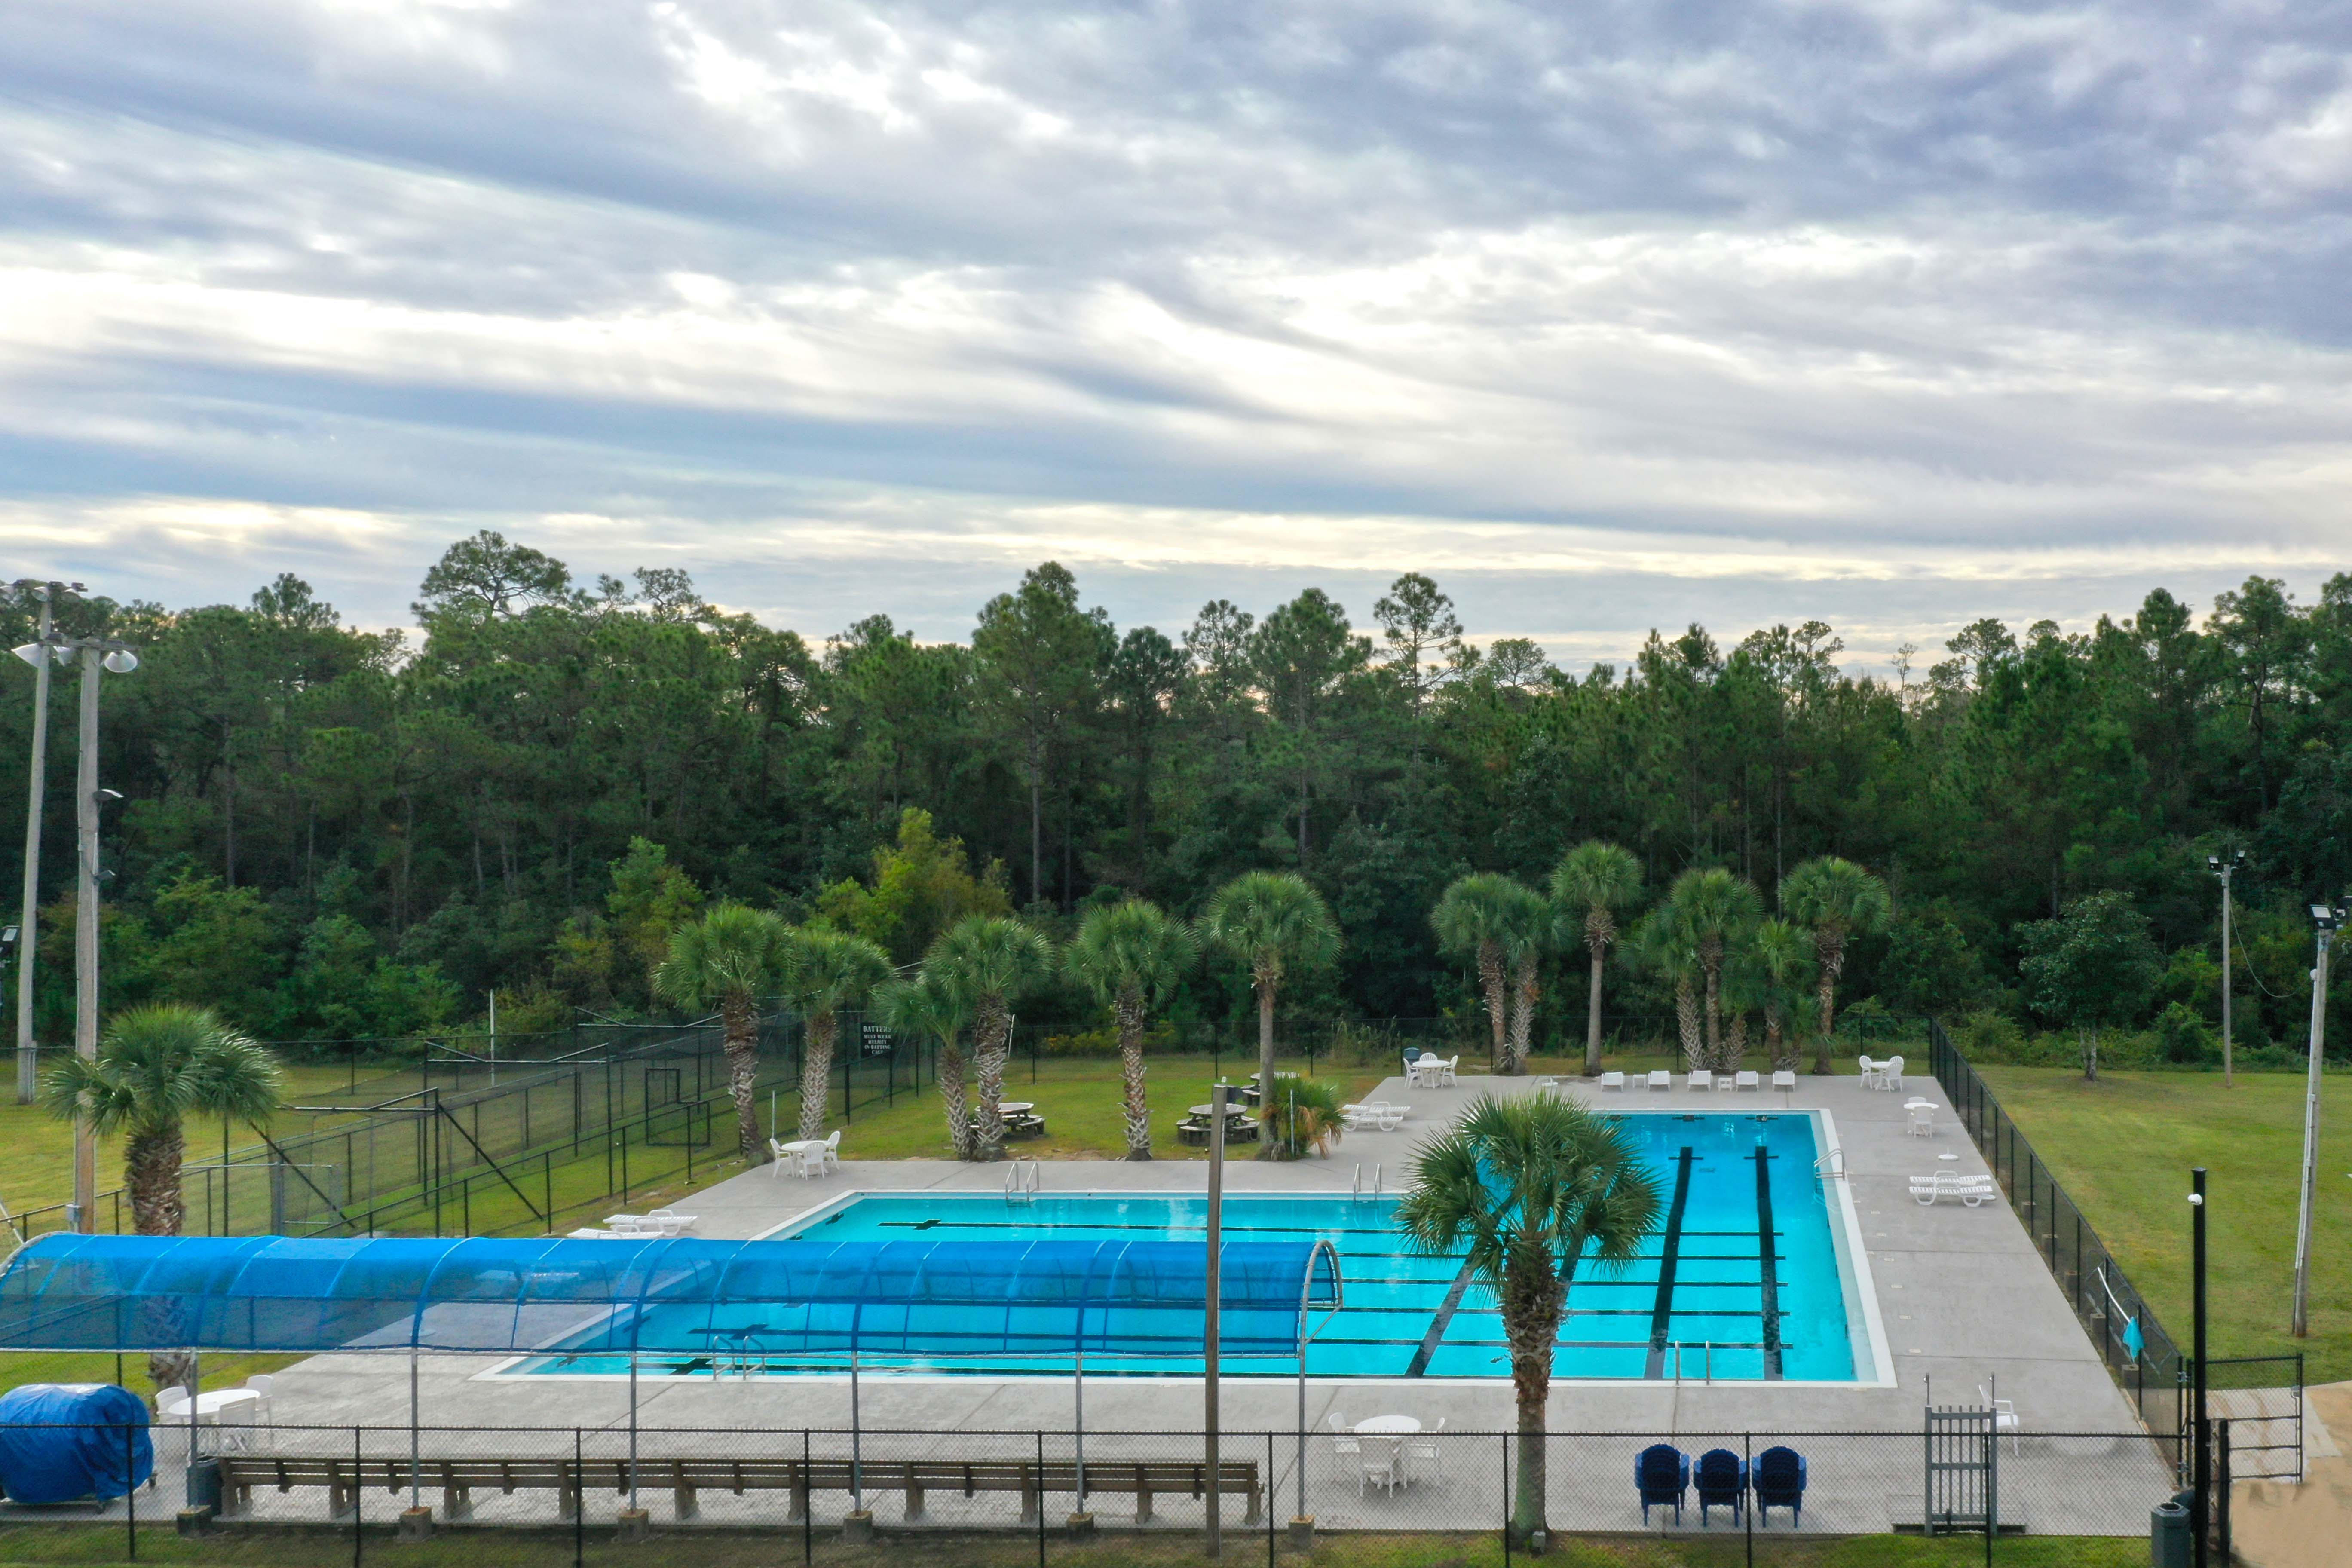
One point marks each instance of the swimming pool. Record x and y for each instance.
(1707, 1296)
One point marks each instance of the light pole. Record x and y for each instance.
(2224, 869)
(2326, 918)
(96, 654)
(2201, 1471)
(40, 653)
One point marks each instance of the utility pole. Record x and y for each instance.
(97, 654)
(2326, 918)
(40, 653)
(2224, 869)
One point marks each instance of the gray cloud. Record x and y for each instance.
(1890, 306)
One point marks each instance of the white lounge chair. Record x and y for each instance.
(1661, 1080)
(1615, 1080)
(2004, 1416)
(592, 1234)
(672, 1223)
(1353, 1117)
(1969, 1190)
(1701, 1081)
(1784, 1080)
(1749, 1083)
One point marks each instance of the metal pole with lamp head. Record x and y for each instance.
(2327, 919)
(2201, 1471)
(1212, 1294)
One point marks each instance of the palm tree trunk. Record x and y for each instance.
(995, 1041)
(1829, 946)
(951, 1093)
(1711, 956)
(2090, 1042)
(1267, 982)
(1531, 1310)
(1525, 994)
(1131, 1067)
(1735, 1045)
(1686, 1019)
(1593, 1019)
(151, 1169)
(816, 1071)
(741, 1025)
(1490, 979)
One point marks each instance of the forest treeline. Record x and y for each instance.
(333, 832)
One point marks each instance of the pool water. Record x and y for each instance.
(1740, 1281)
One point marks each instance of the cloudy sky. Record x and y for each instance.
(1607, 315)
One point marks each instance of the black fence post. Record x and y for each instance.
(1747, 1493)
(359, 1496)
(1506, 1437)
(1270, 1489)
(808, 1504)
(579, 1502)
(1041, 1496)
(131, 1490)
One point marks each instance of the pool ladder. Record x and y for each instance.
(1359, 1194)
(1830, 1167)
(1021, 1182)
(1707, 1360)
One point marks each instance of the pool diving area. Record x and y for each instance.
(1744, 1280)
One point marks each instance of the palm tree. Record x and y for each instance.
(929, 1005)
(1838, 899)
(1663, 943)
(1499, 925)
(1779, 956)
(1531, 1188)
(826, 971)
(1305, 1115)
(730, 959)
(1274, 924)
(1714, 906)
(989, 962)
(156, 1066)
(1131, 956)
(1600, 879)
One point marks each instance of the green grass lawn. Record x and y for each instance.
(2123, 1147)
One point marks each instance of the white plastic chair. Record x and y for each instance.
(1890, 1073)
(171, 1402)
(1345, 1449)
(1923, 1123)
(1378, 1464)
(263, 1416)
(1660, 1080)
(1869, 1073)
(1445, 1069)
(1701, 1081)
(1750, 1082)
(784, 1157)
(1784, 1079)
(829, 1157)
(2004, 1416)
(1615, 1080)
(1424, 1455)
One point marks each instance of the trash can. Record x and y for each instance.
(204, 1486)
(2168, 1536)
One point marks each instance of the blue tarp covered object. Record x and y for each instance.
(63, 1442)
(598, 1296)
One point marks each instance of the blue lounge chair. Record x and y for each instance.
(1779, 1483)
(1722, 1479)
(1662, 1474)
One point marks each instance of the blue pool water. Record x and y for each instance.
(1743, 1262)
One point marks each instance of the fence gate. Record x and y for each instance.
(1963, 1480)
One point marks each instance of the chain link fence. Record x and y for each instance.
(1334, 1497)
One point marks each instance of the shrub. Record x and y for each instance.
(2183, 1036)
(1306, 1116)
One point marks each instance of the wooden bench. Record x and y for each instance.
(457, 1479)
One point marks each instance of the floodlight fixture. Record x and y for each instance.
(123, 661)
(32, 653)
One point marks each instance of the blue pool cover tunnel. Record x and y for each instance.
(490, 1295)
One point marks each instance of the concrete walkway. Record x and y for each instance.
(1964, 1299)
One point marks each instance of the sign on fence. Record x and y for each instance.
(874, 1039)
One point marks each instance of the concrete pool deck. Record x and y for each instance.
(1964, 1300)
